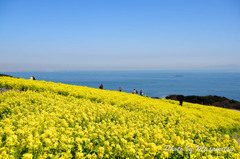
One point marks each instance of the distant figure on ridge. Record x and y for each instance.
(32, 78)
(101, 86)
(141, 92)
(181, 101)
(134, 92)
(223, 105)
(120, 89)
(180, 98)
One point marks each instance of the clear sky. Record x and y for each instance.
(48, 35)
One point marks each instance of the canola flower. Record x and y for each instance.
(54, 120)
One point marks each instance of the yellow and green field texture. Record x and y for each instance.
(54, 120)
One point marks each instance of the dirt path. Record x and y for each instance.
(236, 110)
(3, 90)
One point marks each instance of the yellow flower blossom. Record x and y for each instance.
(54, 120)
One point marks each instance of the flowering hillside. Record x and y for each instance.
(54, 120)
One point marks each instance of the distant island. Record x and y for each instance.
(179, 76)
(5, 75)
(208, 100)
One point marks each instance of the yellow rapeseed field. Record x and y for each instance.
(54, 120)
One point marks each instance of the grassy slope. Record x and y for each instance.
(165, 114)
(227, 120)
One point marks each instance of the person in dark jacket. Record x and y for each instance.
(180, 98)
(181, 101)
(101, 86)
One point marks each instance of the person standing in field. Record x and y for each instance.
(32, 78)
(223, 105)
(181, 101)
(141, 92)
(101, 86)
(180, 98)
(134, 91)
(120, 89)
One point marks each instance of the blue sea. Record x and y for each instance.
(153, 83)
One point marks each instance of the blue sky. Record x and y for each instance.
(45, 35)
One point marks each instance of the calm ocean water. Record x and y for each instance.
(153, 83)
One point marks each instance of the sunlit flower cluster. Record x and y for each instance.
(54, 120)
